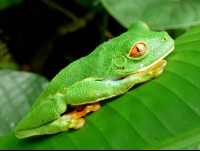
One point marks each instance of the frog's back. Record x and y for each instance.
(74, 72)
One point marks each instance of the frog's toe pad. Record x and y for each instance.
(95, 106)
(79, 123)
(162, 63)
(158, 71)
(159, 68)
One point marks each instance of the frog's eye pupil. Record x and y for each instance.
(138, 50)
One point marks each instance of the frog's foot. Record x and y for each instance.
(156, 69)
(80, 111)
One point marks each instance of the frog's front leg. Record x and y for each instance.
(87, 91)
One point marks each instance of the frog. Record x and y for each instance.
(112, 69)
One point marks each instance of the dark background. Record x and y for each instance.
(31, 31)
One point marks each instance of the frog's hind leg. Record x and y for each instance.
(80, 111)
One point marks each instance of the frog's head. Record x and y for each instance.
(137, 50)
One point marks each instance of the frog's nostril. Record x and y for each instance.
(164, 38)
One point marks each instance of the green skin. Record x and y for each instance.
(94, 78)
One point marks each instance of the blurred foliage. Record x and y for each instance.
(57, 32)
(93, 4)
(18, 91)
(7, 3)
(6, 60)
(158, 14)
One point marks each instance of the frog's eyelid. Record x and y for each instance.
(146, 25)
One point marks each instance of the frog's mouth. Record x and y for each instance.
(158, 64)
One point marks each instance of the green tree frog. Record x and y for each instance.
(110, 70)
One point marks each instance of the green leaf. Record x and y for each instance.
(18, 91)
(7, 3)
(163, 113)
(158, 14)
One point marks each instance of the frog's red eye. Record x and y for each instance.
(138, 50)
